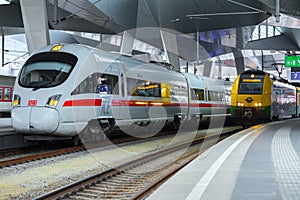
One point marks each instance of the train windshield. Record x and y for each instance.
(251, 84)
(44, 74)
(46, 70)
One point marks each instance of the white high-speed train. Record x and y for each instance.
(65, 89)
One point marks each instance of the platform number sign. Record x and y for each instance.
(295, 74)
(292, 61)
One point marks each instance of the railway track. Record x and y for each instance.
(134, 179)
(17, 156)
(38, 156)
(12, 157)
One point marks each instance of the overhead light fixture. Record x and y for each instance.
(249, 7)
(191, 16)
(255, 11)
(4, 2)
(175, 20)
(195, 17)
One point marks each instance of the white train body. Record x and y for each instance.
(59, 91)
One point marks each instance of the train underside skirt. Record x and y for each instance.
(250, 115)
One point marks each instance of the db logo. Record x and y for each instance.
(32, 102)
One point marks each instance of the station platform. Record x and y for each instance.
(9, 138)
(261, 162)
(5, 126)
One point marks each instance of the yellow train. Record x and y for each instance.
(298, 101)
(256, 98)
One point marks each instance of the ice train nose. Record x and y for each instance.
(38, 120)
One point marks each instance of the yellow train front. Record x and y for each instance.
(256, 98)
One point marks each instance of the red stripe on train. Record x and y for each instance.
(209, 105)
(98, 102)
(83, 102)
(144, 103)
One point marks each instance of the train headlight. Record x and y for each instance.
(17, 100)
(240, 104)
(258, 104)
(53, 101)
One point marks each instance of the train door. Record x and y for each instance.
(298, 101)
(114, 102)
(276, 100)
(108, 88)
(138, 98)
(1, 100)
(131, 104)
(5, 94)
(5, 99)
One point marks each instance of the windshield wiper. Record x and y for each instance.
(48, 83)
(42, 85)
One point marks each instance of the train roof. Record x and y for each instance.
(253, 71)
(7, 80)
(80, 49)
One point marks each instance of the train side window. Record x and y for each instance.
(197, 94)
(210, 95)
(215, 95)
(145, 88)
(1, 90)
(165, 90)
(98, 83)
(131, 85)
(107, 84)
(6, 94)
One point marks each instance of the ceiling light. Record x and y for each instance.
(175, 20)
(4, 2)
(221, 14)
(246, 6)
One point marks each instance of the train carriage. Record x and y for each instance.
(208, 98)
(256, 98)
(6, 91)
(64, 90)
(298, 101)
(59, 94)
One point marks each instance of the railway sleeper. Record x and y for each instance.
(86, 194)
(81, 198)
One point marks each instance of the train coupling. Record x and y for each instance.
(248, 114)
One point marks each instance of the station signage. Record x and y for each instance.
(295, 74)
(292, 61)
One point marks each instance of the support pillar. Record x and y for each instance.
(35, 22)
(169, 41)
(127, 43)
(2, 53)
(207, 68)
(277, 15)
(239, 61)
(219, 67)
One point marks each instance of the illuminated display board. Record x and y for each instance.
(292, 61)
(252, 80)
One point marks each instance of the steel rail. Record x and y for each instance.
(97, 178)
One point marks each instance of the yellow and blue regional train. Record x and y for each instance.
(256, 98)
(298, 102)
